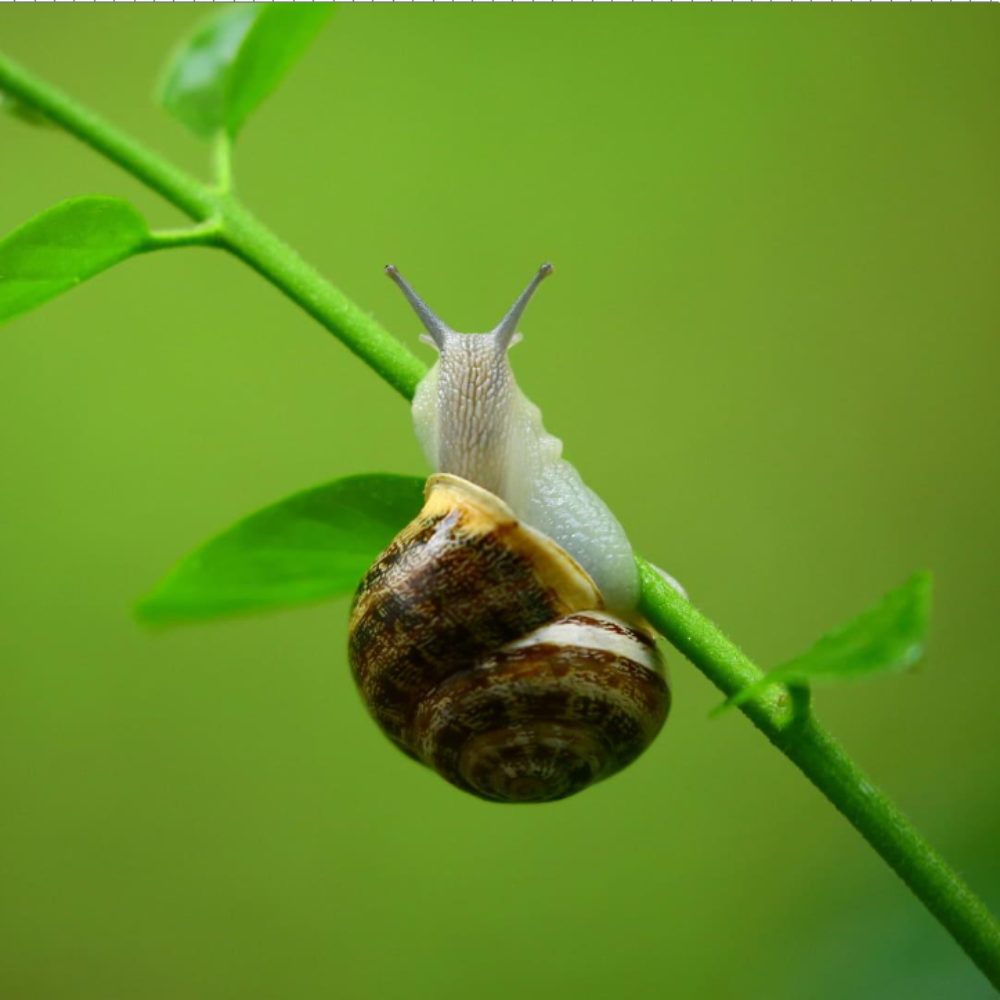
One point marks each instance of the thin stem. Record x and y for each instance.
(787, 721)
(205, 234)
(222, 157)
(794, 731)
(240, 231)
(360, 332)
(178, 187)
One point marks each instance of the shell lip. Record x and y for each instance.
(491, 506)
(554, 567)
(483, 498)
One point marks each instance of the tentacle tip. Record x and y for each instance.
(391, 271)
(545, 270)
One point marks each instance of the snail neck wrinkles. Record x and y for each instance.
(475, 393)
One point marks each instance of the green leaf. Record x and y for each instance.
(63, 246)
(887, 637)
(26, 113)
(234, 60)
(312, 545)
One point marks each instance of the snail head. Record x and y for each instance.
(443, 337)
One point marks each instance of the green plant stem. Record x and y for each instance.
(276, 261)
(783, 716)
(240, 231)
(792, 728)
(205, 234)
(222, 159)
(178, 187)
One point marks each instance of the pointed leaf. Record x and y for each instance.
(234, 60)
(63, 246)
(312, 545)
(887, 637)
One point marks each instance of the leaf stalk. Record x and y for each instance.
(206, 234)
(222, 160)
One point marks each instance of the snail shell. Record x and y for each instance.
(482, 649)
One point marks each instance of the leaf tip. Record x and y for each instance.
(146, 612)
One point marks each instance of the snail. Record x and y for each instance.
(496, 639)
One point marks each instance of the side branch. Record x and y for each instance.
(238, 230)
(178, 187)
(205, 234)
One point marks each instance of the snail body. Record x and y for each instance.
(496, 640)
(473, 421)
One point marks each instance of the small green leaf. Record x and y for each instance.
(26, 113)
(312, 545)
(888, 637)
(63, 246)
(234, 60)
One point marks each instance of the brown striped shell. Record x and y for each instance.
(482, 649)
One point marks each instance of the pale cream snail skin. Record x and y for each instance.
(496, 639)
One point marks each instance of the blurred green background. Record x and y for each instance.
(771, 345)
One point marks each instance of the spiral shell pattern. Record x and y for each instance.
(482, 649)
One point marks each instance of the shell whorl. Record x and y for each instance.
(482, 649)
